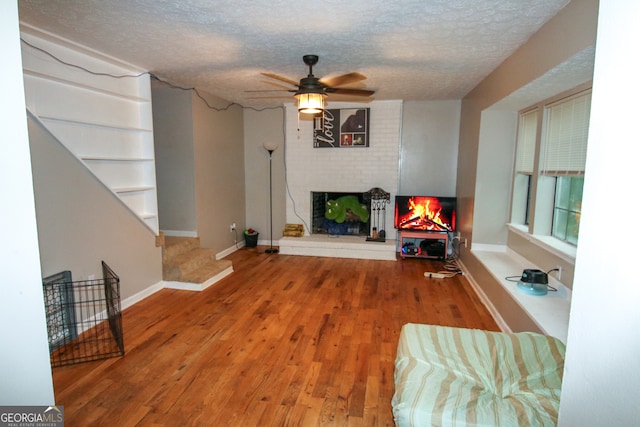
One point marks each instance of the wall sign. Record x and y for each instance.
(341, 128)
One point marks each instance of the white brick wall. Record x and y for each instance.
(356, 169)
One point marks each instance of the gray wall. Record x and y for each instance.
(175, 163)
(487, 142)
(200, 168)
(262, 127)
(218, 142)
(429, 148)
(480, 177)
(494, 175)
(81, 223)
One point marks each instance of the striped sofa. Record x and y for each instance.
(467, 377)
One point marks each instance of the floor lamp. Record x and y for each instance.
(270, 147)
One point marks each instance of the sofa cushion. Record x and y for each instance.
(467, 377)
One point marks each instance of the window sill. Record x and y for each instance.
(550, 312)
(550, 244)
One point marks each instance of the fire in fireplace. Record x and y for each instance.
(426, 213)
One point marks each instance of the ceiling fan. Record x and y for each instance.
(311, 91)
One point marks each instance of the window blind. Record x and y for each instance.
(526, 142)
(565, 145)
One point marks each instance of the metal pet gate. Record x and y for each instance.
(84, 318)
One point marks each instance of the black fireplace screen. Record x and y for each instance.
(349, 213)
(333, 213)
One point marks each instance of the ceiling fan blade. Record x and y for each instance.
(278, 85)
(347, 91)
(342, 80)
(268, 97)
(271, 90)
(282, 79)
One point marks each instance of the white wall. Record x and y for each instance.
(25, 370)
(414, 147)
(602, 371)
(356, 169)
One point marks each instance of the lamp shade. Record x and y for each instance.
(310, 103)
(270, 146)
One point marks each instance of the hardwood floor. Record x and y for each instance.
(285, 340)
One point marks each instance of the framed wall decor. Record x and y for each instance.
(343, 128)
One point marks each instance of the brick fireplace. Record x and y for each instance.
(340, 170)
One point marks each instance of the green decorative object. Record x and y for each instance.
(346, 207)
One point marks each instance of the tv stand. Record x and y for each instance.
(423, 244)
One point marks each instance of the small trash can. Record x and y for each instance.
(251, 238)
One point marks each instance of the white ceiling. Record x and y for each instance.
(408, 49)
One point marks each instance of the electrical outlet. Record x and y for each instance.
(232, 227)
(559, 272)
(465, 242)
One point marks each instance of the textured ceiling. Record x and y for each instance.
(407, 49)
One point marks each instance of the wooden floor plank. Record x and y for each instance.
(284, 340)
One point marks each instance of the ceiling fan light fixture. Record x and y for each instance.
(310, 102)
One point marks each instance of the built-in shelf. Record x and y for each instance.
(94, 123)
(133, 189)
(118, 159)
(75, 84)
(105, 122)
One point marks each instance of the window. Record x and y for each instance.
(567, 208)
(549, 170)
(525, 155)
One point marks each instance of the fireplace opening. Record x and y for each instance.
(340, 213)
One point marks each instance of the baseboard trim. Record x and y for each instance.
(135, 298)
(229, 250)
(485, 300)
(165, 284)
(180, 233)
(186, 286)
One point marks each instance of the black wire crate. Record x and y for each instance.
(84, 318)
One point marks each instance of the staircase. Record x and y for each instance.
(185, 265)
(106, 123)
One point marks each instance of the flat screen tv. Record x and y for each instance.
(425, 213)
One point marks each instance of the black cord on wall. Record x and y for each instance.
(151, 75)
(227, 107)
